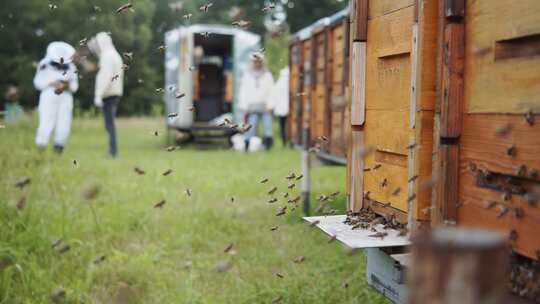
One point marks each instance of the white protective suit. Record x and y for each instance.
(279, 100)
(110, 77)
(55, 108)
(255, 90)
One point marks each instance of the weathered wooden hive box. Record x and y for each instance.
(393, 96)
(299, 84)
(488, 158)
(319, 85)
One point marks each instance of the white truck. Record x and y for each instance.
(203, 65)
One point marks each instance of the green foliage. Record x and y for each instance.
(277, 53)
(27, 26)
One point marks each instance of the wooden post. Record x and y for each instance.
(305, 170)
(450, 95)
(458, 266)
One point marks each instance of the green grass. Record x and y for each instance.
(164, 255)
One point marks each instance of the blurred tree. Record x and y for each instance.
(27, 26)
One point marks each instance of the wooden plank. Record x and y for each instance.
(386, 210)
(426, 67)
(357, 172)
(390, 37)
(423, 147)
(452, 80)
(514, 83)
(358, 238)
(445, 256)
(358, 103)
(447, 184)
(359, 18)
(388, 130)
(379, 8)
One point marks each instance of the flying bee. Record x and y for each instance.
(299, 259)
(322, 138)
(232, 199)
(272, 200)
(271, 191)
(188, 16)
(314, 223)
(529, 117)
(52, 6)
(169, 171)
(384, 183)
(503, 129)
(160, 204)
(172, 115)
(296, 199)
(228, 248)
(264, 180)
(180, 95)
(62, 248)
(291, 186)
(124, 8)
(97, 9)
(156, 133)
(279, 275)
(206, 34)
(334, 194)
(125, 67)
(234, 126)
(162, 48)
(286, 194)
(205, 7)
(83, 41)
(90, 192)
(23, 182)
(412, 179)
(277, 300)
(502, 211)
(21, 203)
(171, 148)
(241, 23)
(75, 163)
(377, 166)
(99, 259)
(269, 7)
(290, 176)
(274, 228)
(380, 235)
(188, 192)
(322, 198)
(58, 295)
(281, 211)
(299, 177)
(128, 55)
(160, 90)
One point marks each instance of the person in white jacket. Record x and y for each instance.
(254, 99)
(109, 83)
(57, 79)
(280, 102)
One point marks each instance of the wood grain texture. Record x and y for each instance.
(379, 8)
(359, 18)
(357, 169)
(358, 71)
(514, 83)
(452, 87)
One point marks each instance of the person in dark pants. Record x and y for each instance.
(109, 83)
(110, 105)
(279, 102)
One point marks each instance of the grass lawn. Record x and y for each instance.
(170, 255)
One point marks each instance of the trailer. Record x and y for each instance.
(444, 102)
(203, 65)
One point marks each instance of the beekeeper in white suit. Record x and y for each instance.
(109, 83)
(56, 78)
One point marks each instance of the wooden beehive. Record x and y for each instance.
(394, 76)
(295, 88)
(488, 159)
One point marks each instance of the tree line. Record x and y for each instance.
(26, 28)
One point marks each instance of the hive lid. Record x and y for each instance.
(358, 238)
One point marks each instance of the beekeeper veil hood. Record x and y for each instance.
(101, 43)
(60, 52)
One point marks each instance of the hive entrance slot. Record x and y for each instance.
(524, 46)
